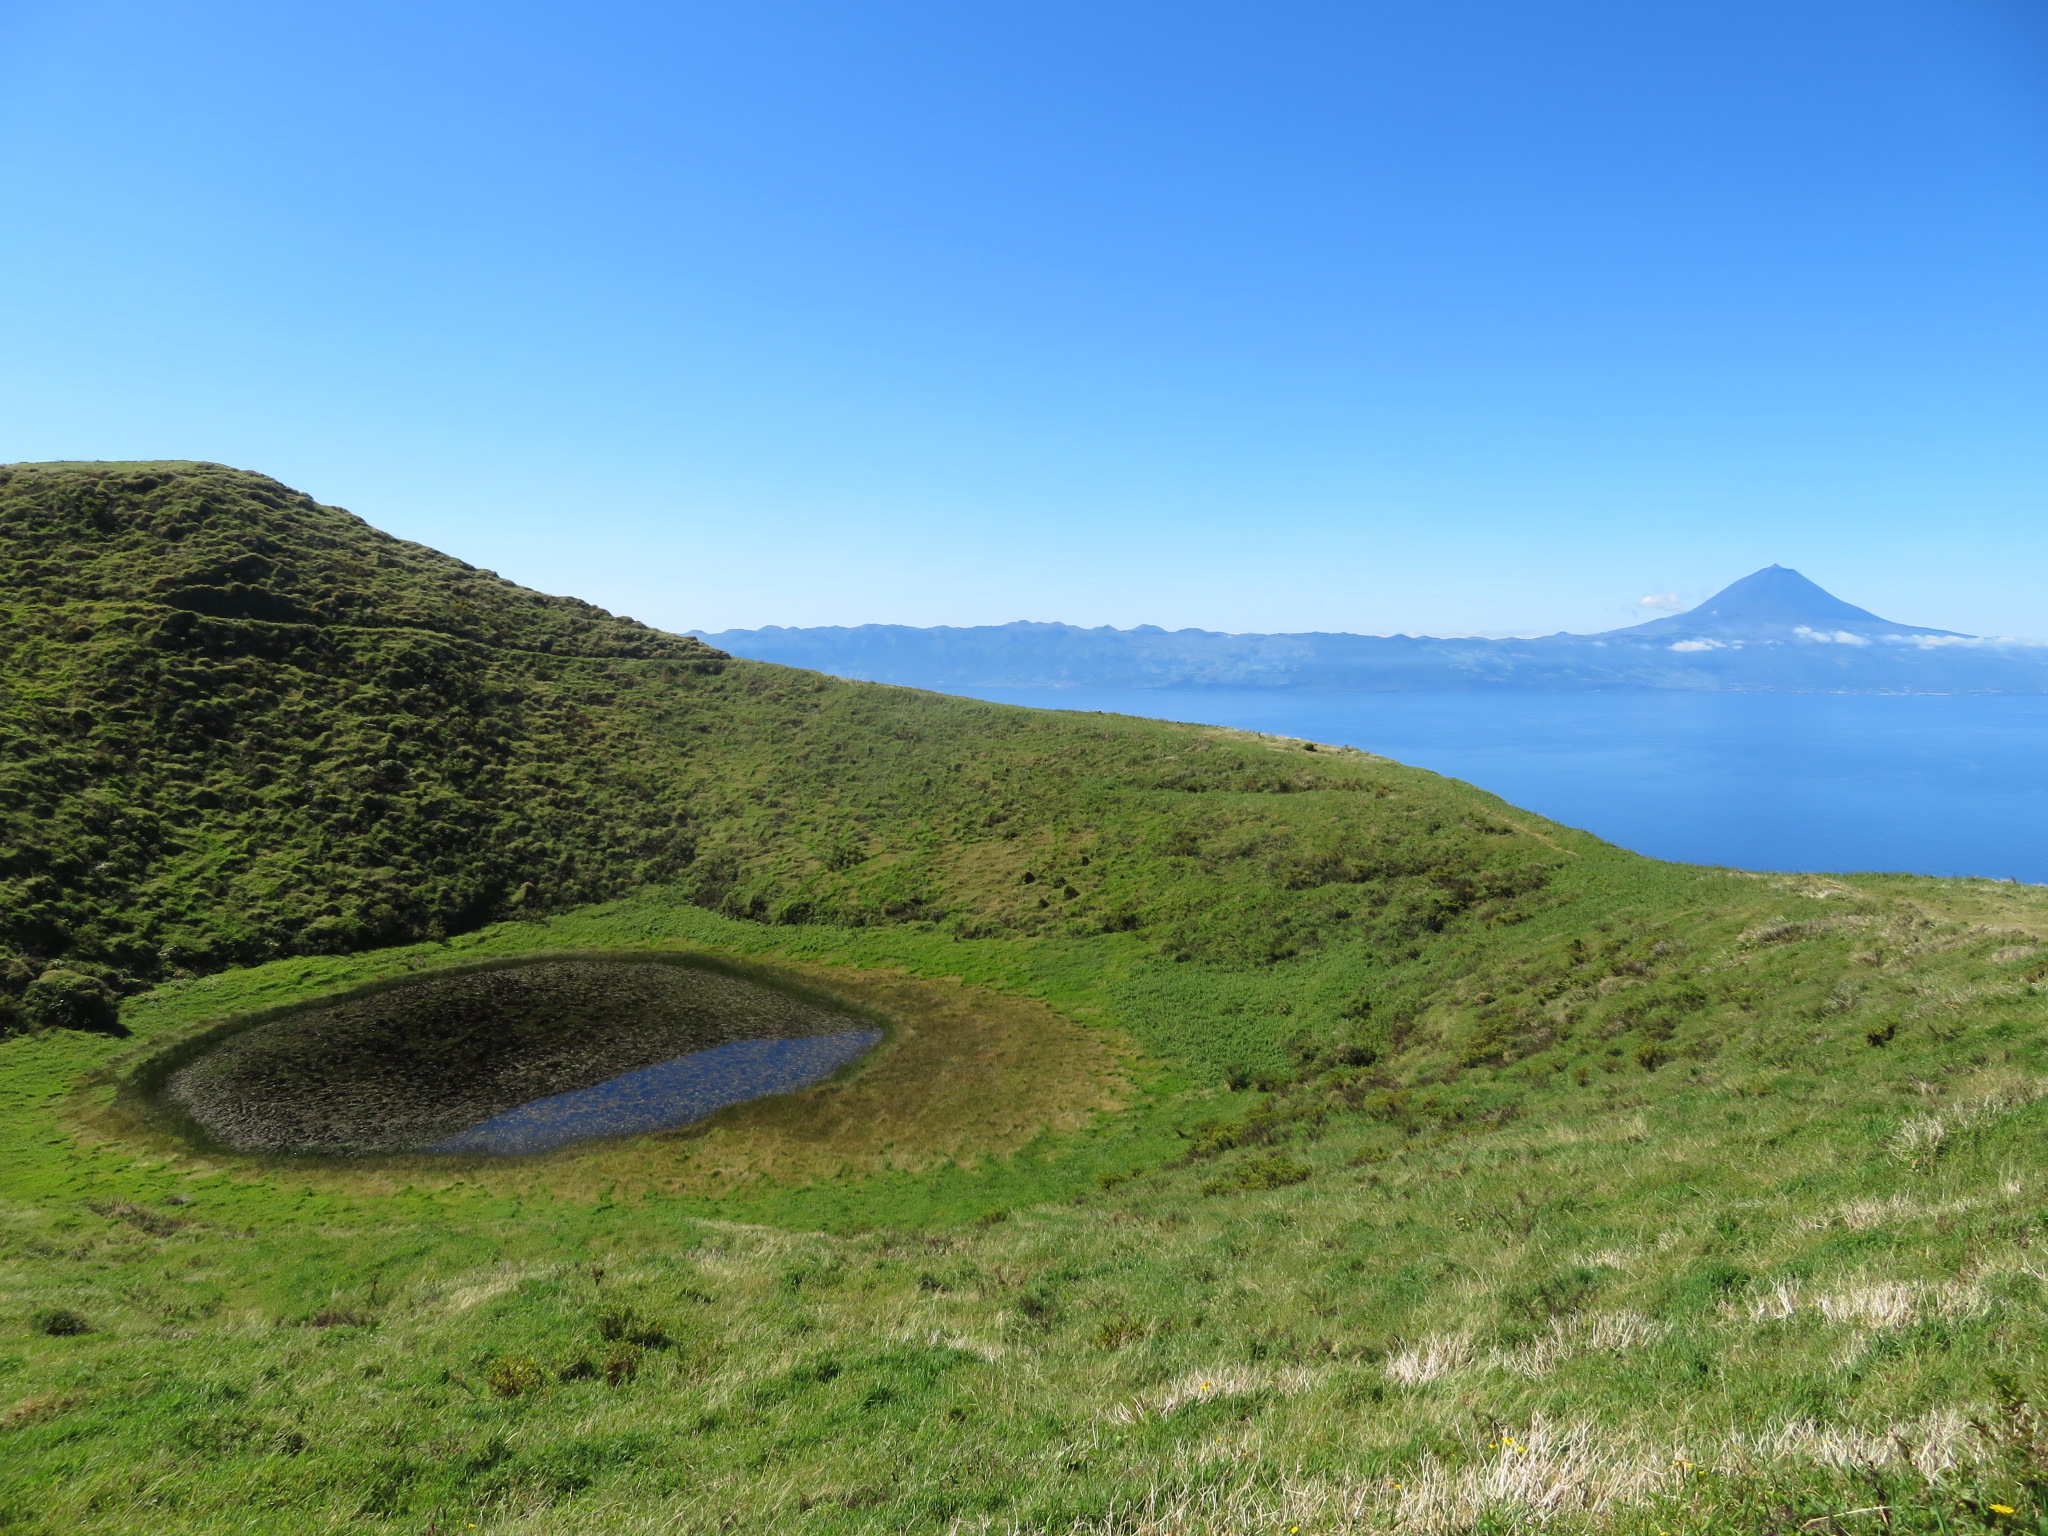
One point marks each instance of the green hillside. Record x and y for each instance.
(1274, 1137)
(242, 725)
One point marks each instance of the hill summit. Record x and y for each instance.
(239, 725)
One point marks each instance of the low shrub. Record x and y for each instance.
(622, 1365)
(1275, 1172)
(515, 1376)
(61, 999)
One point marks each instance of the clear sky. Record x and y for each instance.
(1426, 315)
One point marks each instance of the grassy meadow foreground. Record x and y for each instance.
(1269, 1139)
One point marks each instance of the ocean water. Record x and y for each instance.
(1948, 785)
(668, 1094)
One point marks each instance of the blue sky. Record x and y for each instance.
(1426, 315)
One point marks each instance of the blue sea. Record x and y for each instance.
(1949, 785)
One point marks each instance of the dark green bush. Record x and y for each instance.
(61, 999)
(514, 1376)
(1273, 1172)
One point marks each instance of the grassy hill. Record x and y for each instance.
(1275, 1136)
(242, 725)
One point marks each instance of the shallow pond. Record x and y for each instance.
(518, 1059)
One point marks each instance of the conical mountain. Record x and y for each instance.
(1774, 603)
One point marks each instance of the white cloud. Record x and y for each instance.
(1927, 642)
(1838, 637)
(1697, 645)
(1663, 602)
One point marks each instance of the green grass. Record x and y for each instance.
(1785, 1255)
(425, 748)
(1269, 1138)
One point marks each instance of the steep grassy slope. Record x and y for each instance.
(1280, 1139)
(239, 724)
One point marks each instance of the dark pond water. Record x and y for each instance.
(665, 1095)
(520, 1058)
(1932, 785)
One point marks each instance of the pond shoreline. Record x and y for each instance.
(402, 1069)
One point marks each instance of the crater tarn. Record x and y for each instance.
(406, 1067)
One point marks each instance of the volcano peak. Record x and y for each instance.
(1773, 603)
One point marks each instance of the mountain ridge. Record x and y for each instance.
(1771, 631)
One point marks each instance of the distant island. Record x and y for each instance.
(1772, 631)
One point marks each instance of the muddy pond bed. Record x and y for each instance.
(517, 1059)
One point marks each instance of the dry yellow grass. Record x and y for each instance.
(965, 1073)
